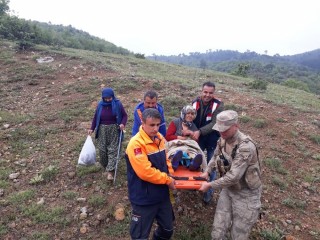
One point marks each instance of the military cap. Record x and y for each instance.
(225, 120)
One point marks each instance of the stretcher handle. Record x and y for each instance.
(189, 178)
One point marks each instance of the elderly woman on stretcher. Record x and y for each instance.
(182, 146)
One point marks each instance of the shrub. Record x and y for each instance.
(97, 201)
(315, 138)
(259, 123)
(259, 85)
(278, 182)
(276, 165)
(294, 203)
(232, 107)
(139, 55)
(20, 197)
(244, 119)
(271, 234)
(293, 83)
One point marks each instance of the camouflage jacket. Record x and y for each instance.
(242, 156)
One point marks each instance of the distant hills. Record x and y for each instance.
(300, 68)
(297, 71)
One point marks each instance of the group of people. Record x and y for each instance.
(155, 152)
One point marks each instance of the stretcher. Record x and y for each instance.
(186, 179)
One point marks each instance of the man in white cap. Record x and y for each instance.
(239, 200)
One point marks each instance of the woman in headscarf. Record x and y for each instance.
(182, 146)
(109, 119)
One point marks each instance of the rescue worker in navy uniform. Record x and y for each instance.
(207, 107)
(239, 200)
(148, 169)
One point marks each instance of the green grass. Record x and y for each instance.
(70, 195)
(41, 214)
(273, 234)
(294, 203)
(271, 133)
(49, 173)
(97, 201)
(316, 157)
(85, 170)
(118, 229)
(4, 184)
(193, 230)
(295, 98)
(41, 236)
(315, 138)
(13, 118)
(310, 178)
(234, 107)
(3, 230)
(46, 175)
(21, 197)
(279, 182)
(276, 165)
(4, 173)
(173, 105)
(260, 123)
(245, 119)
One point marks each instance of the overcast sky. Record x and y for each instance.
(171, 27)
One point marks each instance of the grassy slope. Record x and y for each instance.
(49, 106)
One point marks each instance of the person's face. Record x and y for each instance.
(230, 132)
(207, 94)
(107, 99)
(189, 116)
(150, 102)
(151, 126)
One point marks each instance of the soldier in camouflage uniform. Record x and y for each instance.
(236, 158)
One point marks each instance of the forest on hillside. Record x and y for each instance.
(28, 33)
(297, 71)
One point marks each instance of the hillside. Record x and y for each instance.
(303, 68)
(46, 108)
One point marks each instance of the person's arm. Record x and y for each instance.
(142, 166)
(162, 128)
(208, 128)
(93, 123)
(238, 167)
(212, 163)
(171, 132)
(136, 122)
(169, 164)
(124, 118)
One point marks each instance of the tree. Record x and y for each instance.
(4, 7)
(203, 64)
(242, 70)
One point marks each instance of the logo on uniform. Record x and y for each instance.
(137, 151)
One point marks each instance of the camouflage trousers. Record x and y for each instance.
(108, 140)
(237, 210)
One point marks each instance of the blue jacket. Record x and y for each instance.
(147, 169)
(137, 115)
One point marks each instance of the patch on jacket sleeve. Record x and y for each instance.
(137, 151)
(245, 152)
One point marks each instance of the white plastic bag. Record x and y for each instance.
(88, 153)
